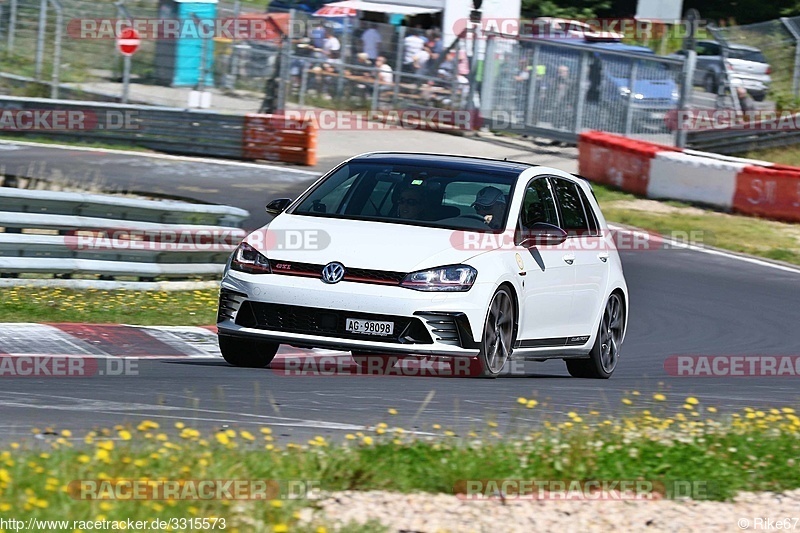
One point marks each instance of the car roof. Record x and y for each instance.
(461, 163)
(619, 47)
(732, 45)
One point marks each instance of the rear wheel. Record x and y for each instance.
(247, 353)
(605, 353)
(759, 97)
(498, 334)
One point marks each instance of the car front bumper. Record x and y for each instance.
(294, 310)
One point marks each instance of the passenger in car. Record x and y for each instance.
(411, 204)
(490, 203)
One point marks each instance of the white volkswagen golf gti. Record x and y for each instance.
(422, 255)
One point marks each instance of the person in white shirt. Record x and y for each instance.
(332, 47)
(385, 74)
(421, 60)
(412, 45)
(372, 43)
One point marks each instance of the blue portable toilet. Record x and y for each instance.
(179, 53)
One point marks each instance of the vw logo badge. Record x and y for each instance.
(333, 273)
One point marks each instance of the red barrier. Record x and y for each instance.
(769, 192)
(278, 138)
(617, 161)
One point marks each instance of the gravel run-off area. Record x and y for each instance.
(439, 513)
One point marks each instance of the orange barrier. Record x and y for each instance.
(617, 161)
(771, 192)
(278, 138)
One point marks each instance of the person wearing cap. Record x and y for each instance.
(490, 203)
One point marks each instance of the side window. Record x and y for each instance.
(538, 205)
(573, 217)
(594, 225)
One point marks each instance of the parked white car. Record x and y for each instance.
(419, 255)
(744, 66)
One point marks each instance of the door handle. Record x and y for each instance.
(603, 256)
(569, 259)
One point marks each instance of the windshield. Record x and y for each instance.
(747, 55)
(416, 195)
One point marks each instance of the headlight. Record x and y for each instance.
(638, 96)
(624, 91)
(453, 278)
(248, 259)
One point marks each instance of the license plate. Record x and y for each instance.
(369, 327)
(658, 116)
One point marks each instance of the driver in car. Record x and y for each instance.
(490, 203)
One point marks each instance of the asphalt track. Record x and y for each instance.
(683, 302)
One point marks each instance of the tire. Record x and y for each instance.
(247, 353)
(710, 83)
(605, 353)
(499, 332)
(759, 97)
(375, 364)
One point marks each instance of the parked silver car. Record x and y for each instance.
(745, 66)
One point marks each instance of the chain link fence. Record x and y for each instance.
(557, 90)
(545, 87)
(779, 41)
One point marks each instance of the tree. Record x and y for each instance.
(570, 9)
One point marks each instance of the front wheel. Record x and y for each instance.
(605, 353)
(498, 334)
(247, 353)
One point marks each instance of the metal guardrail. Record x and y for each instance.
(173, 130)
(733, 140)
(66, 234)
(166, 129)
(121, 208)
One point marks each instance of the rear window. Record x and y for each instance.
(747, 55)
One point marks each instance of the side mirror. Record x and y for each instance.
(276, 207)
(542, 234)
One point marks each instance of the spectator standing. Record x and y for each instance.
(421, 60)
(412, 45)
(562, 98)
(371, 40)
(318, 36)
(745, 102)
(332, 47)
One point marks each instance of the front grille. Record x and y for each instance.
(229, 302)
(327, 322)
(354, 275)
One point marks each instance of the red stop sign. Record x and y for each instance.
(128, 41)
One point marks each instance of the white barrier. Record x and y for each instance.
(693, 178)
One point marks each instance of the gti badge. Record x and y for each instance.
(333, 273)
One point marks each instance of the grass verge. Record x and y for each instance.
(750, 450)
(93, 306)
(755, 236)
(785, 155)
